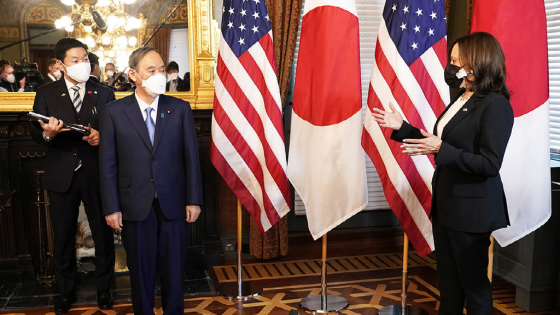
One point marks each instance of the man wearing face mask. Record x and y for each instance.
(72, 169)
(95, 75)
(54, 72)
(176, 84)
(110, 74)
(150, 181)
(8, 78)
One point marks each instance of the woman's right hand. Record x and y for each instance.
(392, 120)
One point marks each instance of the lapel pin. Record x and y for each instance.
(168, 111)
(88, 92)
(161, 115)
(95, 92)
(464, 109)
(63, 94)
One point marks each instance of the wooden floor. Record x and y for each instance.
(369, 281)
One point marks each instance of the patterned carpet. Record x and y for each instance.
(355, 278)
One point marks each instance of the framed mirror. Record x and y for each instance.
(187, 33)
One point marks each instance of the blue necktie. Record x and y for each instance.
(150, 124)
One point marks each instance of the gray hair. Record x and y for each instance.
(137, 56)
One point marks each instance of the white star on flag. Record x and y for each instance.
(255, 29)
(230, 24)
(433, 15)
(403, 26)
(241, 41)
(405, 9)
(414, 45)
(231, 10)
(256, 15)
(419, 12)
(242, 27)
(243, 12)
(431, 31)
(417, 29)
(394, 8)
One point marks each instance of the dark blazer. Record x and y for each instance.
(11, 87)
(94, 80)
(67, 147)
(47, 79)
(181, 86)
(467, 189)
(132, 170)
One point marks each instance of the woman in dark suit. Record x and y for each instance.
(468, 143)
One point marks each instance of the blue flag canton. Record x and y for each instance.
(244, 22)
(415, 25)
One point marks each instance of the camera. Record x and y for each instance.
(29, 71)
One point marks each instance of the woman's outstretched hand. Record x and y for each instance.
(428, 145)
(385, 119)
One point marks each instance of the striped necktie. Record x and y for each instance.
(77, 100)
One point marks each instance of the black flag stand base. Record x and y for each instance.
(240, 290)
(403, 309)
(398, 310)
(324, 303)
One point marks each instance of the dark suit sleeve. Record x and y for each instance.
(495, 129)
(192, 165)
(407, 131)
(108, 164)
(39, 107)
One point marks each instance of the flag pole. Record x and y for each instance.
(491, 258)
(242, 290)
(403, 308)
(324, 303)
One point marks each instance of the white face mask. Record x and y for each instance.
(79, 72)
(154, 85)
(462, 73)
(11, 78)
(173, 76)
(57, 74)
(109, 73)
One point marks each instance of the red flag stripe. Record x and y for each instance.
(399, 93)
(271, 107)
(239, 98)
(233, 181)
(440, 48)
(395, 200)
(428, 87)
(405, 162)
(237, 140)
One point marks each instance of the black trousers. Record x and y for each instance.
(64, 216)
(151, 245)
(462, 263)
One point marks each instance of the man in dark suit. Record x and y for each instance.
(150, 181)
(95, 73)
(54, 72)
(72, 169)
(176, 84)
(8, 78)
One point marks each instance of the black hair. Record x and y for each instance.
(93, 59)
(172, 66)
(65, 45)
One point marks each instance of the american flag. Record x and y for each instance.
(410, 57)
(247, 134)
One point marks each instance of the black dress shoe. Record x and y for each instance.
(64, 303)
(104, 300)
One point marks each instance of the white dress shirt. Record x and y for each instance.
(82, 89)
(454, 109)
(143, 105)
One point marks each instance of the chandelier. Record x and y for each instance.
(104, 26)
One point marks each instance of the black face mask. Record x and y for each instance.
(451, 76)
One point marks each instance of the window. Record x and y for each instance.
(179, 49)
(553, 31)
(369, 16)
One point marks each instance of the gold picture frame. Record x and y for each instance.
(203, 49)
